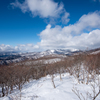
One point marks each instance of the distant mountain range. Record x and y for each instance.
(9, 57)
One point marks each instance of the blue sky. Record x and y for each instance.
(36, 25)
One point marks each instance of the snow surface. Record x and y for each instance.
(42, 89)
(96, 52)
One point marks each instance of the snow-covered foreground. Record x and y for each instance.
(42, 89)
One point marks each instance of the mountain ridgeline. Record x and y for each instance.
(12, 57)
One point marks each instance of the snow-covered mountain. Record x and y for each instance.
(49, 52)
(9, 57)
(62, 51)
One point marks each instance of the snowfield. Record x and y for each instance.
(42, 89)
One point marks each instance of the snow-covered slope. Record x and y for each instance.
(42, 89)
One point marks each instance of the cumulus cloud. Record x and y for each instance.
(85, 23)
(27, 47)
(43, 8)
(84, 33)
(6, 48)
(21, 47)
(86, 40)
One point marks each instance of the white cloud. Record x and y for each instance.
(43, 8)
(86, 40)
(27, 47)
(65, 18)
(21, 47)
(84, 33)
(85, 23)
(6, 48)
